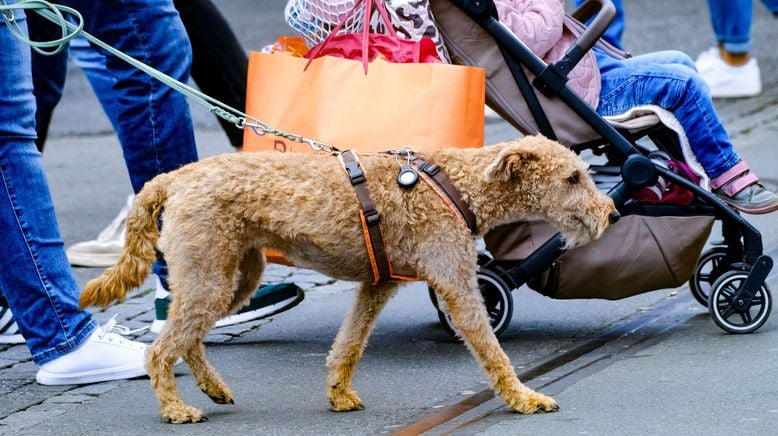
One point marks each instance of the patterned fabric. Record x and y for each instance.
(412, 19)
(9, 331)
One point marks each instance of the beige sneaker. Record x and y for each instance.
(103, 251)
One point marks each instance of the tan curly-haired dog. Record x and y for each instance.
(220, 213)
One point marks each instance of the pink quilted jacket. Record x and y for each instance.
(539, 24)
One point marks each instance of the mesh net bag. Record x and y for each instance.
(313, 20)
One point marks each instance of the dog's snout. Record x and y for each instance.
(614, 216)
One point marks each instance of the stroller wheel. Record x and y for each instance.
(724, 312)
(710, 266)
(497, 298)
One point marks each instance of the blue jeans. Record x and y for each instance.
(34, 272)
(154, 126)
(93, 64)
(152, 121)
(49, 72)
(668, 79)
(614, 32)
(731, 20)
(219, 66)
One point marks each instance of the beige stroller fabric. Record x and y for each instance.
(637, 254)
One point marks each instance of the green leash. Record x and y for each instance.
(56, 14)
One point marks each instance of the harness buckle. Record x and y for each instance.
(372, 217)
(430, 168)
(355, 173)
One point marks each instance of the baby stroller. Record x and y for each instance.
(653, 246)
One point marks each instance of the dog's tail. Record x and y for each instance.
(138, 252)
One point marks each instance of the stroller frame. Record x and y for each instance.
(742, 251)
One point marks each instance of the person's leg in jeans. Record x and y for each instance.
(48, 74)
(615, 31)
(219, 68)
(92, 63)
(219, 65)
(728, 67)
(156, 134)
(35, 277)
(154, 123)
(669, 80)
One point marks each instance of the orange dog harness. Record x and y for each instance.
(371, 218)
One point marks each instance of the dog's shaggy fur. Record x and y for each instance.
(220, 213)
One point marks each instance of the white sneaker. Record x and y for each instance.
(708, 60)
(103, 251)
(106, 355)
(726, 81)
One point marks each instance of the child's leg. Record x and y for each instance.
(667, 57)
(668, 80)
(676, 87)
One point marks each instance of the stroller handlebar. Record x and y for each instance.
(603, 12)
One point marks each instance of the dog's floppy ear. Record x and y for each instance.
(509, 162)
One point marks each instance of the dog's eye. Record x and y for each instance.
(574, 179)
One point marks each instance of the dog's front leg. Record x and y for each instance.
(350, 342)
(464, 304)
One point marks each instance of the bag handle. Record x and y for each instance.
(368, 4)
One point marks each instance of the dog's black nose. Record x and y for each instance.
(614, 216)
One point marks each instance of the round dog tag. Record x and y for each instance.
(408, 176)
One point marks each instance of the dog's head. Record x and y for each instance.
(544, 178)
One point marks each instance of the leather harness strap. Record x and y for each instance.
(441, 184)
(371, 219)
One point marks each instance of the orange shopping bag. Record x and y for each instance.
(418, 106)
(343, 103)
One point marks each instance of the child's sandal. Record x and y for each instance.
(740, 188)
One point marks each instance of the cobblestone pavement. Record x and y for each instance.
(26, 403)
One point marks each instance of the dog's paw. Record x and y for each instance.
(222, 397)
(535, 402)
(345, 401)
(183, 414)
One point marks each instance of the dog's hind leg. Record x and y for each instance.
(251, 268)
(202, 291)
(207, 378)
(350, 343)
(457, 287)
